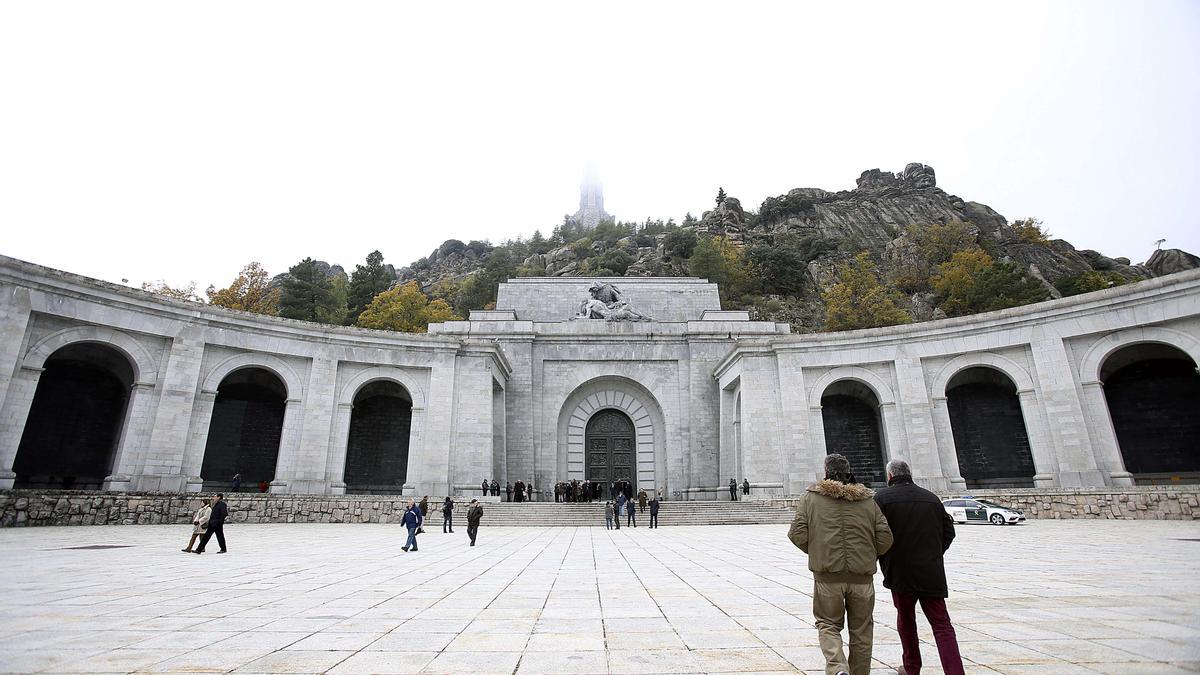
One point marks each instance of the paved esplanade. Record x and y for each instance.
(1047, 597)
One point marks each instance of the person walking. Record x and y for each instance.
(843, 531)
(654, 512)
(617, 512)
(199, 524)
(474, 514)
(448, 516)
(608, 516)
(732, 490)
(746, 486)
(529, 490)
(642, 501)
(631, 513)
(914, 569)
(237, 482)
(508, 492)
(216, 524)
(412, 521)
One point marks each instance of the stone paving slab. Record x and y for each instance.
(1046, 597)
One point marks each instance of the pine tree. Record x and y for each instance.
(306, 293)
(366, 282)
(720, 196)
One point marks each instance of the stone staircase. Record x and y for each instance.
(671, 513)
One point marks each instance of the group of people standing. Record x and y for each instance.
(733, 489)
(568, 491)
(513, 492)
(844, 527)
(621, 506)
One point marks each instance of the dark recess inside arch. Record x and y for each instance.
(850, 412)
(75, 420)
(378, 443)
(247, 423)
(989, 429)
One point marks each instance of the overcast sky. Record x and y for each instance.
(177, 141)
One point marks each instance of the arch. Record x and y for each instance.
(1020, 377)
(274, 364)
(852, 419)
(144, 369)
(616, 393)
(1094, 358)
(609, 453)
(378, 438)
(1151, 397)
(883, 391)
(71, 437)
(991, 438)
(246, 427)
(392, 373)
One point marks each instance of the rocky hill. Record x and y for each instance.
(888, 215)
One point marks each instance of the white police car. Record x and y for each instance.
(970, 510)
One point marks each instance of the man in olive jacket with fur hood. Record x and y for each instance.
(843, 531)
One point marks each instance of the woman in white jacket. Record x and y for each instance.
(199, 523)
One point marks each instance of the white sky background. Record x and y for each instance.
(178, 141)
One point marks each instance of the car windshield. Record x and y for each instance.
(991, 504)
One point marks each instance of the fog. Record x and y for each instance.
(150, 140)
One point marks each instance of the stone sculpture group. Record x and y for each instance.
(606, 303)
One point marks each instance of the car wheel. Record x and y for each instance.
(997, 519)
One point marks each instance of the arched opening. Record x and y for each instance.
(610, 450)
(377, 448)
(74, 425)
(989, 429)
(247, 423)
(851, 416)
(1153, 394)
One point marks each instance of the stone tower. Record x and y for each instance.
(591, 201)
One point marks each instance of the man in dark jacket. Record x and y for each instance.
(485, 486)
(448, 516)
(216, 524)
(495, 488)
(654, 512)
(914, 570)
(732, 490)
(474, 513)
(412, 521)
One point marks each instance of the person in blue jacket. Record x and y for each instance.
(412, 520)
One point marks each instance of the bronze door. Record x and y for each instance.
(610, 453)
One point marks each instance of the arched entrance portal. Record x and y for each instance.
(75, 421)
(247, 423)
(989, 429)
(610, 450)
(1153, 395)
(851, 416)
(377, 449)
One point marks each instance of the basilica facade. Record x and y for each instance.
(104, 387)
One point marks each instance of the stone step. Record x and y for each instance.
(550, 514)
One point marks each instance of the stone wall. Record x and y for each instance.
(1138, 503)
(30, 508)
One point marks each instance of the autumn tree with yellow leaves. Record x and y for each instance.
(250, 292)
(859, 300)
(404, 308)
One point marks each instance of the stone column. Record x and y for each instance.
(947, 453)
(1040, 444)
(762, 459)
(14, 323)
(1065, 423)
(817, 449)
(197, 439)
(335, 466)
(416, 447)
(1104, 436)
(135, 435)
(164, 466)
(21, 389)
(920, 448)
(797, 429)
(289, 445)
(308, 468)
(893, 430)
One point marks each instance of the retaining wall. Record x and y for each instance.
(27, 508)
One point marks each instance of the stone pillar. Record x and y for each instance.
(307, 469)
(816, 443)
(920, 447)
(19, 398)
(762, 454)
(197, 439)
(1065, 423)
(947, 453)
(797, 430)
(289, 445)
(135, 436)
(335, 466)
(1040, 444)
(894, 441)
(1104, 436)
(164, 467)
(429, 462)
(14, 323)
